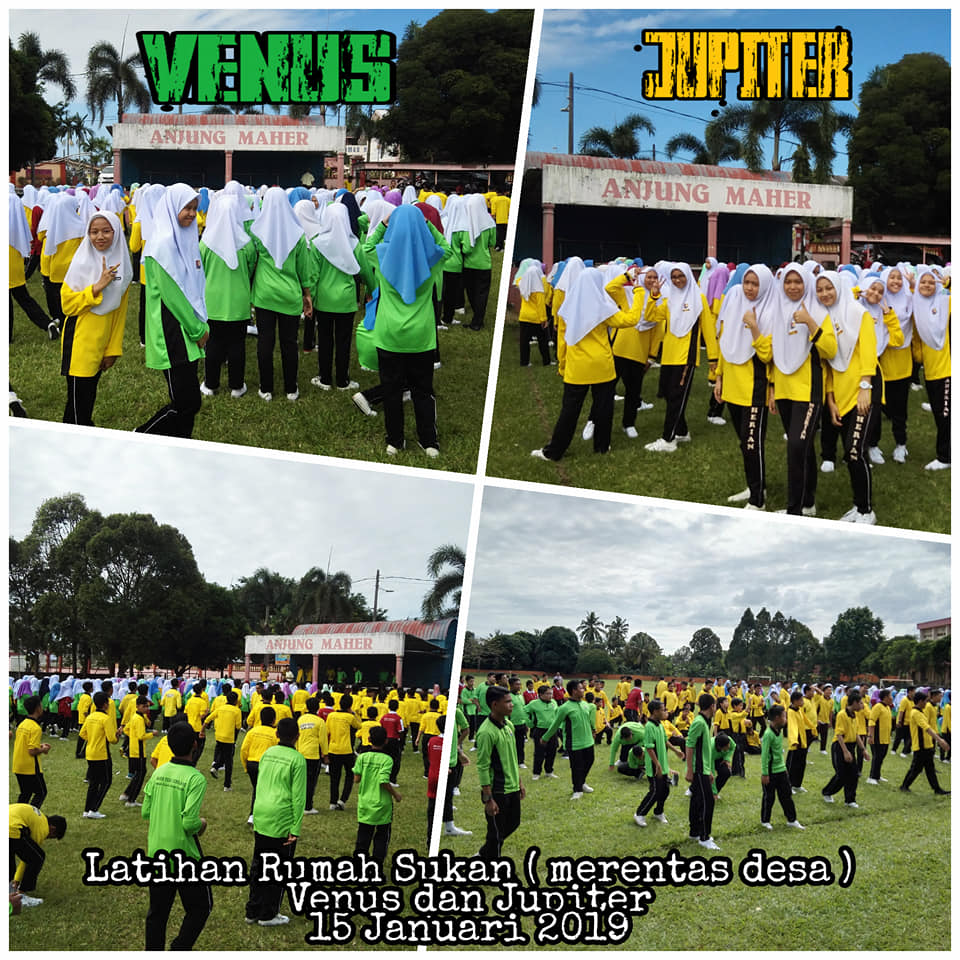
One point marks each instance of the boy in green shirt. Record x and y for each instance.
(171, 804)
(498, 772)
(699, 753)
(656, 765)
(375, 796)
(773, 771)
(577, 723)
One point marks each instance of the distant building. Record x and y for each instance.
(934, 629)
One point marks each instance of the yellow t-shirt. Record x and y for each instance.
(29, 734)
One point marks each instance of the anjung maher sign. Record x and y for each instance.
(617, 188)
(326, 644)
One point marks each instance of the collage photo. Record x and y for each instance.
(500, 388)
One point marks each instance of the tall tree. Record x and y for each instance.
(617, 630)
(560, 649)
(706, 653)
(29, 114)
(594, 660)
(819, 134)
(640, 651)
(266, 600)
(52, 66)
(446, 566)
(111, 77)
(716, 147)
(898, 655)
(322, 597)
(899, 154)
(591, 630)
(619, 141)
(739, 658)
(854, 634)
(763, 119)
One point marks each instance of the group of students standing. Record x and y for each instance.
(208, 260)
(821, 348)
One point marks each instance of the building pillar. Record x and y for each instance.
(398, 670)
(227, 166)
(314, 670)
(712, 234)
(246, 668)
(340, 166)
(845, 241)
(117, 178)
(548, 219)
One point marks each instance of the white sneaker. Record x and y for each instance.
(654, 365)
(916, 386)
(766, 826)
(872, 782)
(538, 454)
(801, 790)
(522, 766)
(206, 391)
(631, 432)
(618, 399)
(828, 466)
(661, 446)
(95, 815)
(123, 798)
(854, 804)
(809, 511)
(133, 803)
(353, 385)
(252, 329)
(306, 813)
(239, 392)
(709, 844)
(405, 396)
(717, 421)
(884, 780)
(26, 901)
(823, 752)
(536, 776)
(661, 817)
(392, 451)
(265, 396)
(576, 796)
(796, 824)
(455, 792)
(689, 793)
(317, 382)
(794, 791)
(452, 830)
(552, 776)
(587, 788)
(739, 497)
(876, 455)
(851, 515)
(869, 518)
(899, 453)
(334, 806)
(827, 799)
(645, 406)
(751, 506)
(228, 789)
(460, 311)
(361, 403)
(293, 396)
(431, 452)
(926, 406)
(278, 921)
(937, 465)
(639, 821)
(588, 431)
(682, 438)
(437, 365)
(250, 819)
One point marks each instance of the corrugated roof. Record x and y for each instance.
(424, 629)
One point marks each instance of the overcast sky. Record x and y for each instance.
(242, 511)
(545, 559)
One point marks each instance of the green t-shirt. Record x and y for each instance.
(171, 802)
(575, 717)
(172, 327)
(469, 699)
(462, 724)
(281, 792)
(228, 291)
(540, 713)
(374, 804)
(281, 288)
(482, 707)
(477, 257)
(519, 716)
(771, 753)
(655, 736)
(637, 735)
(497, 765)
(700, 741)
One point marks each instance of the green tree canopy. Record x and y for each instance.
(706, 653)
(560, 648)
(640, 651)
(594, 660)
(591, 630)
(460, 80)
(110, 77)
(619, 141)
(446, 566)
(855, 634)
(30, 115)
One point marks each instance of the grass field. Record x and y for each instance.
(892, 835)
(706, 470)
(320, 422)
(77, 917)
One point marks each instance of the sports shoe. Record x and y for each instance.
(872, 782)
(587, 430)
(278, 921)
(796, 824)
(645, 406)
(392, 451)
(133, 803)
(26, 901)
(709, 844)
(239, 392)
(752, 506)
(661, 446)
(437, 365)
(937, 465)
(876, 456)
(431, 452)
(576, 796)
(264, 396)
(809, 511)
(450, 829)
(717, 421)
(353, 385)
(801, 790)
(661, 817)
(823, 752)
(334, 806)
(460, 311)
(916, 386)
(827, 798)
(682, 438)
(587, 788)
(406, 396)
(538, 454)
(639, 820)
(123, 798)
(926, 406)
(828, 466)
(522, 766)
(361, 403)
(317, 382)
(868, 518)
(250, 819)
(851, 515)
(293, 396)
(341, 805)
(739, 497)
(794, 791)
(853, 804)
(311, 811)
(536, 776)
(631, 432)
(228, 789)
(618, 399)
(899, 453)
(552, 776)
(883, 780)
(455, 792)
(689, 793)
(766, 826)
(95, 815)
(206, 391)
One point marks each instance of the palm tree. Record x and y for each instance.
(265, 598)
(231, 109)
(111, 78)
(819, 134)
(51, 65)
(617, 630)
(764, 118)
(76, 127)
(620, 141)
(361, 125)
(590, 630)
(321, 597)
(716, 146)
(446, 566)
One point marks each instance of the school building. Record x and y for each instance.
(210, 149)
(417, 652)
(599, 208)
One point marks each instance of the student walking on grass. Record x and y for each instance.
(656, 766)
(923, 736)
(98, 731)
(501, 790)
(375, 797)
(575, 719)
(20, 243)
(700, 776)
(773, 771)
(846, 742)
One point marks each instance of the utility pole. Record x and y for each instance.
(570, 116)
(376, 593)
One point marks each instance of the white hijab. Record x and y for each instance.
(335, 241)
(86, 208)
(87, 266)
(901, 303)
(876, 312)
(586, 306)
(931, 314)
(454, 216)
(376, 208)
(177, 249)
(235, 189)
(148, 199)
(29, 196)
(571, 273)
(61, 223)
(686, 304)
(709, 265)
(309, 216)
(531, 280)
(791, 341)
(736, 340)
(20, 238)
(112, 201)
(409, 194)
(223, 234)
(846, 315)
(277, 227)
(478, 217)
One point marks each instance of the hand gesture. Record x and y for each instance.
(107, 276)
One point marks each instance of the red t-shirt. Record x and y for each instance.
(392, 723)
(435, 753)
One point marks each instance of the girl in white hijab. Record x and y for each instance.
(799, 342)
(746, 347)
(176, 327)
(19, 240)
(62, 230)
(588, 313)
(688, 315)
(931, 323)
(532, 320)
(477, 263)
(94, 296)
(456, 225)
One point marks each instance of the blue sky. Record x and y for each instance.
(597, 46)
